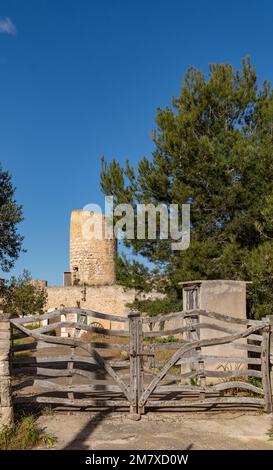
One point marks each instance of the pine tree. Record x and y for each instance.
(214, 150)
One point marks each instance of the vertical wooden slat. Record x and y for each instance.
(201, 366)
(133, 372)
(193, 335)
(135, 365)
(151, 357)
(70, 364)
(140, 378)
(265, 358)
(270, 320)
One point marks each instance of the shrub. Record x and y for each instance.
(158, 306)
(23, 435)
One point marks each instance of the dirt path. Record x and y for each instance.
(102, 430)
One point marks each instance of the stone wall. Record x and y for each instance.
(105, 299)
(92, 254)
(113, 300)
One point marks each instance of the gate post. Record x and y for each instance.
(136, 363)
(6, 409)
(270, 319)
(266, 368)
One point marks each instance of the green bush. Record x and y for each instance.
(158, 306)
(169, 339)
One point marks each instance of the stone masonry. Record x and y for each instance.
(92, 253)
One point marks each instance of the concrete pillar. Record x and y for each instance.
(226, 297)
(6, 409)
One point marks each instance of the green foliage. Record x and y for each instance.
(133, 274)
(256, 381)
(158, 306)
(10, 217)
(260, 269)
(25, 434)
(23, 297)
(195, 381)
(213, 149)
(168, 339)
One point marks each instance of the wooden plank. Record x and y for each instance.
(120, 347)
(221, 374)
(167, 346)
(258, 338)
(93, 314)
(48, 372)
(194, 335)
(94, 344)
(178, 344)
(189, 347)
(70, 366)
(197, 326)
(175, 388)
(266, 371)
(84, 388)
(57, 313)
(35, 318)
(270, 321)
(163, 318)
(206, 313)
(227, 318)
(91, 329)
(238, 384)
(82, 402)
(139, 360)
(207, 401)
(151, 357)
(25, 347)
(133, 362)
(243, 347)
(65, 358)
(221, 359)
(201, 366)
(18, 336)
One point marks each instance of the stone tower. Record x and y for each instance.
(92, 254)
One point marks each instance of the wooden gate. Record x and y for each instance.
(194, 358)
(87, 366)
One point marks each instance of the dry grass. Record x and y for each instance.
(101, 338)
(24, 434)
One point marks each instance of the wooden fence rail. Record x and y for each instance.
(193, 358)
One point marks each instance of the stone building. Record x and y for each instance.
(92, 251)
(91, 281)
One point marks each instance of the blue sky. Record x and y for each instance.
(81, 79)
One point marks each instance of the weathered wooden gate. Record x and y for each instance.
(196, 359)
(84, 367)
(202, 359)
